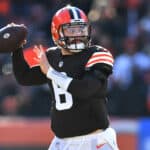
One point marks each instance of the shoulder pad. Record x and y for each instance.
(98, 48)
(101, 59)
(51, 49)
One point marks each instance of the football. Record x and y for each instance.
(12, 36)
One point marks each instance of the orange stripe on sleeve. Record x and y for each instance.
(100, 57)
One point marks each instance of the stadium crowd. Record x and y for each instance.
(122, 26)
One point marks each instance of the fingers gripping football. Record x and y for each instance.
(12, 37)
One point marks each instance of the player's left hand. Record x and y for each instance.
(41, 58)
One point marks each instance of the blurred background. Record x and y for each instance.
(123, 27)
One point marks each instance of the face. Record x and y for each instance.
(75, 36)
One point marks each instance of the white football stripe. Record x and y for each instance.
(102, 53)
(102, 57)
(75, 14)
(105, 62)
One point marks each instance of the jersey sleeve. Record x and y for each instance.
(88, 86)
(101, 60)
(23, 73)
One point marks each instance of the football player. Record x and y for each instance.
(77, 74)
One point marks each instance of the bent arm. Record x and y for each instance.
(91, 84)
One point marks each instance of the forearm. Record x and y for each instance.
(23, 74)
(88, 86)
(82, 88)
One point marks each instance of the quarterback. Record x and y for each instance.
(77, 74)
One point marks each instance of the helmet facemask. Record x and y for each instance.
(74, 37)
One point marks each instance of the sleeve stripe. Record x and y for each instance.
(102, 53)
(100, 57)
(106, 61)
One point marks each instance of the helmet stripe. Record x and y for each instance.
(71, 13)
(78, 13)
(74, 13)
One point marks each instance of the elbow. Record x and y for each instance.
(21, 81)
(20, 78)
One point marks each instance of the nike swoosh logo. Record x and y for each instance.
(99, 146)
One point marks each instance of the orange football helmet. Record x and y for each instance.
(70, 29)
